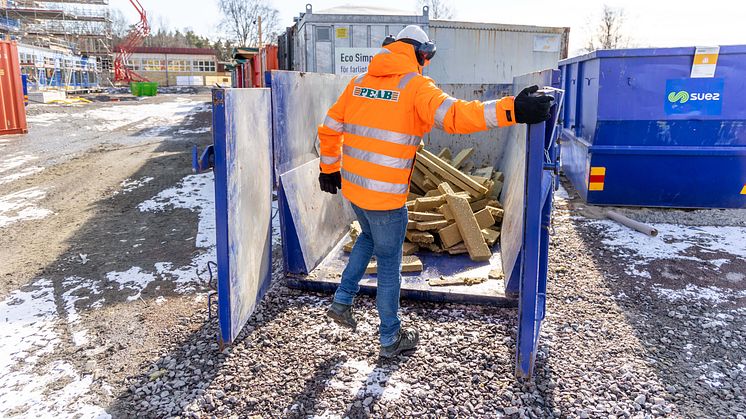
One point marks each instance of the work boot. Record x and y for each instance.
(342, 315)
(407, 341)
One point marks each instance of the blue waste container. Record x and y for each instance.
(637, 130)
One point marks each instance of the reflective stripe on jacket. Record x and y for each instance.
(371, 134)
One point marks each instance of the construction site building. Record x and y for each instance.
(78, 28)
(179, 66)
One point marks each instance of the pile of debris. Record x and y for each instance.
(451, 209)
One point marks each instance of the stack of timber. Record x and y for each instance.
(452, 209)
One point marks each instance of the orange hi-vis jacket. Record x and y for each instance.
(374, 129)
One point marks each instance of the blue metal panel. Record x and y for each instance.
(243, 196)
(299, 104)
(528, 231)
(657, 151)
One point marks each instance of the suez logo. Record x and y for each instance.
(694, 96)
(367, 92)
(684, 96)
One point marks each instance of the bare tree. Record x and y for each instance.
(241, 21)
(610, 33)
(119, 25)
(439, 9)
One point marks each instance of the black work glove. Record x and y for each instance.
(532, 109)
(330, 182)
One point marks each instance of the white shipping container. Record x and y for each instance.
(190, 81)
(494, 53)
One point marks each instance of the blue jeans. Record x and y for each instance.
(382, 235)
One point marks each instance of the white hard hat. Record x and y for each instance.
(413, 32)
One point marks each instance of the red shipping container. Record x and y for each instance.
(12, 110)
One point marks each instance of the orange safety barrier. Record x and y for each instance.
(12, 109)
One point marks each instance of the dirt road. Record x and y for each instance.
(88, 254)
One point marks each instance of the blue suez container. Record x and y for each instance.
(637, 130)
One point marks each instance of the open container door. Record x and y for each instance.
(533, 168)
(242, 126)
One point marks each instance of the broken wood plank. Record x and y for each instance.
(490, 236)
(451, 174)
(408, 264)
(425, 216)
(429, 203)
(497, 213)
(451, 235)
(433, 247)
(461, 157)
(445, 188)
(418, 178)
(496, 189)
(347, 248)
(446, 211)
(355, 230)
(433, 192)
(420, 237)
(411, 224)
(468, 167)
(458, 249)
(484, 218)
(409, 248)
(480, 180)
(445, 154)
(409, 205)
(446, 281)
(413, 196)
(479, 205)
(428, 174)
(485, 172)
(469, 228)
(496, 274)
(431, 225)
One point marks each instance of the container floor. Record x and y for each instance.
(326, 278)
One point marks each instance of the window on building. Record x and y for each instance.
(205, 66)
(153, 65)
(179, 65)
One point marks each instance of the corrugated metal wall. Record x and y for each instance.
(489, 146)
(493, 53)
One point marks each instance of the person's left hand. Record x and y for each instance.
(531, 108)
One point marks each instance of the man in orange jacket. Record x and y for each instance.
(369, 140)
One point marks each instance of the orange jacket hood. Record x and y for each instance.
(401, 60)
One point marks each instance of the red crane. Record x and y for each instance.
(138, 33)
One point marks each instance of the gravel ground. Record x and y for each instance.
(611, 346)
(102, 294)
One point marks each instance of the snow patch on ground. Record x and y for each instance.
(156, 117)
(20, 174)
(27, 332)
(134, 279)
(21, 205)
(561, 194)
(368, 381)
(694, 292)
(194, 131)
(196, 193)
(129, 185)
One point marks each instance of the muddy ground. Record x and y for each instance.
(105, 239)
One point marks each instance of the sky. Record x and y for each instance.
(649, 23)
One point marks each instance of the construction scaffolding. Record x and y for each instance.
(77, 27)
